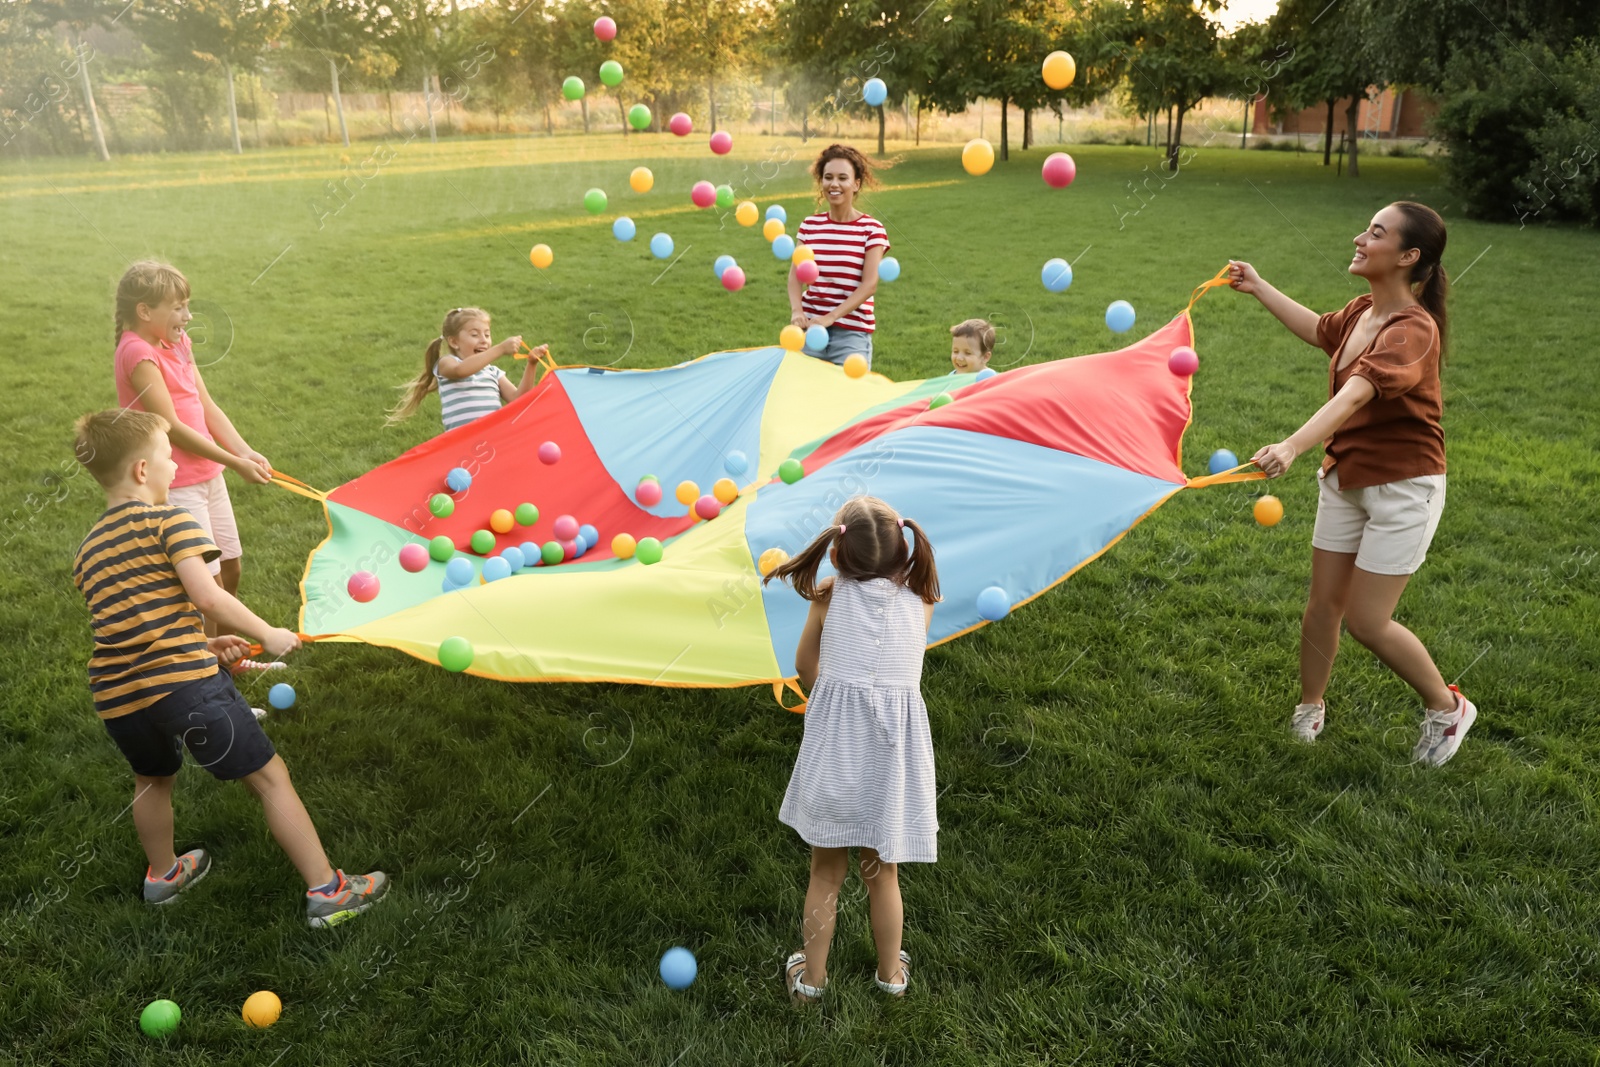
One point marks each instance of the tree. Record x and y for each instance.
(213, 33)
(1335, 58)
(994, 48)
(1177, 60)
(79, 16)
(342, 34)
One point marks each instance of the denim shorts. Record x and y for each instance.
(843, 343)
(209, 716)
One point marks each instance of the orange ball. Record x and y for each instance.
(622, 546)
(771, 560)
(855, 365)
(801, 254)
(725, 490)
(501, 521)
(772, 229)
(792, 338)
(687, 493)
(262, 1009)
(1268, 510)
(541, 256)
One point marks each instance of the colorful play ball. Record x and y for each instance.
(792, 338)
(771, 560)
(638, 116)
(572, 88)
(641, 180)
(514, 557)
(261, 1009)
(459, 479)
(496, 568)
(622, 546)
(413, 557)
(551, 553)
(501, 520)
(459, 571)
(526, 515)
(1268, 510)
(661, 245)
(541, 256)
(482, 542)
(994, 603)
(681, 124)
(530, 553)
(985, 374)
(736, 463)
(281, 696)
(1221, 460)
(623, 228)
(687, 492)
(703, 194)
(940, 401)
(565, 528)
(1059, 70)
(455, 654)
(589, 534)
(747, 213)
(648, 551)
(678, 968)
(1184, 361)
(1119, 316)
(580, 545)
(722, 263)
(977, 157)
(806, 271)
(1058, 170)
(159, 1018)
(549, 453)
(725, 490)
(802, 253)
(708, 507)
(776, 211)
(816, 338)
(733, 279)
(441, 505)
(855, 365)
(874, 92)
(772, 229)
(605, 27)
(888, 269)
(569, 549)
(724, 197)
(722, 142)
(648, 493)
(611, 73)
(441, 548)
(791, 470)
(362, 586)
(594, 201)
(783, 246)
(1056, 275)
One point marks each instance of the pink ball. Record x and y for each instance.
(549, 452)
(722, 142)
(648, 494)
(708, 507)
(733, 278)
(806, 270)
(413, 557)
(566, 527)
(605, 27)
(1059, 170)
(1183, 361)
(681, 124)
(363, 586)
(569, 550)
(704, 194)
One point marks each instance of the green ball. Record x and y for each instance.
(791, 470)
(638, 116)
(650, 478)
(647, 551)
(595, 201)
(441, 505)
(455, 654)
(527, 514)
(940, 401)
(572, 88)
(611, 73)
(724, 196)
(552, 553)
(441, 548)
(482, 542)
(159, 1018)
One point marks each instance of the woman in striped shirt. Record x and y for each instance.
(470, 385)
(848, 244)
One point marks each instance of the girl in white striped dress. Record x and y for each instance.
(460, 364)
(864, 776)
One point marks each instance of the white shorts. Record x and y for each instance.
(1388, 526)
(209, 504)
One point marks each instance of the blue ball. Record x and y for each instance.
(1119, 316)
(589, 534)
(580, 545)
(888, 269)
(623, 229)
(459, 571)
(281, 696)
(458, 479)
(678, 968)
(447, 586)
(723, 263)
(816, 338)
(874, 92)
(496, 568)
(776, 212)
(513, 555)
(994, 603)
(1057, 275)
(736, 463)
(661, 245)
(986, 373)
(530, 554)
(1222, 460)
(783, 246)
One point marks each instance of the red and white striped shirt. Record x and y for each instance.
(841, 249)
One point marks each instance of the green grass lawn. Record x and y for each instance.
(1138, 865)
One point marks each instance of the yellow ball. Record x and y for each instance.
(501, 521)
(1059, 70)
(747, 213)
(1268, 510)
(977, 157)
(541, 256)
(801, 254)
(792, 338)
(725, 490)
(641, 180)
(622, 546)
(688, 493)
(262, 1009)
(771, 560)
(855, 365)
(772, 230)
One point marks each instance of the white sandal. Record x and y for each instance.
(799, 992)
(898, 989)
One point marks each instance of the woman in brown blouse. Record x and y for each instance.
(1382, 476)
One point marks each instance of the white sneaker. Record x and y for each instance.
(259, 713)
(1443, 731)
(1308, 720)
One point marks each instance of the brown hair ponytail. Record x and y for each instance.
(1424, 230)
(868, 541)
(418, 388)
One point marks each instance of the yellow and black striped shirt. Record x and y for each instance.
(148, 636)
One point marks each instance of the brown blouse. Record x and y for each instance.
(1396, 434)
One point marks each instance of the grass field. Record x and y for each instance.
(1138, 865)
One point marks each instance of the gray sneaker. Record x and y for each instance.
(192, 866)
(1308, 720)
(354, 894)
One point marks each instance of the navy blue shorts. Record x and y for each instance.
(209, 716)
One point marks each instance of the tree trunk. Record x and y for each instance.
(327, 117)
(388, 102)
(255, 110)
(711, 99)
(1172, 149)
(584, 105)
(1327, 138)
(549, 126)
(1168, 143)
(624, 113)
(880, 129)
(338, 102)
(805, 125)
(233, 109)
(1027, 128)
(1244, 132)
(1352, 119)
(88, 104)
(919, 121)
(427, 100)
(772, 111)
(1005, 154)
(1150, 130)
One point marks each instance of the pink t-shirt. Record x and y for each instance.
(177, 371)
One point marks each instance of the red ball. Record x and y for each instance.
(704, 194)
(605, 27)
(648, 494)
(414, 557)
(1059, 170)
(806, 270)
(722, 142)
(681, 124)
(569, 550)
(708, 507)
(549, 452)
(362, 586)
(733, 278)
(1183, 361)
(566, 527)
